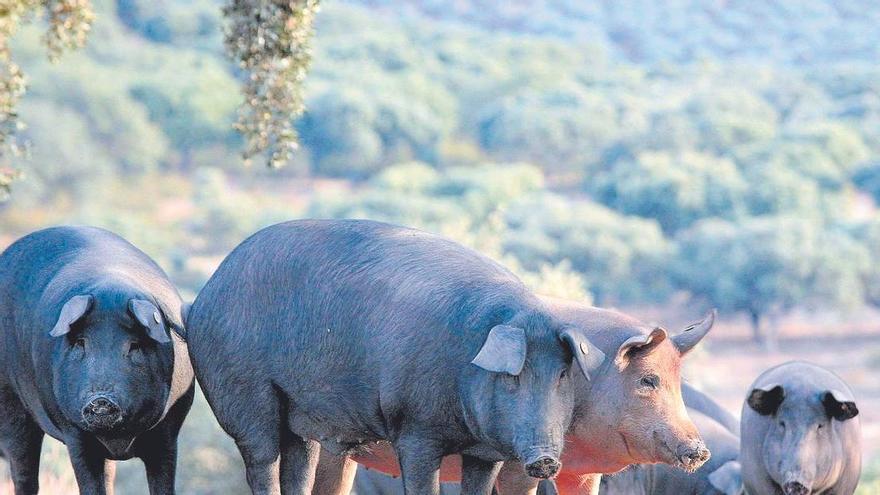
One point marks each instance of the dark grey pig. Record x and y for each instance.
(721, 475)
(800, 433)
(351, 332)
(87, 357)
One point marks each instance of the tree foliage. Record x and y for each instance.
(675, 189)
(69, 22)
(766, 266)
(628, 150)
(270, 41)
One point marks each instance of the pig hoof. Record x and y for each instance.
(543, 468)
(795, 488)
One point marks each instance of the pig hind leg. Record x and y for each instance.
(299, 460)
(248, 411)
(20, 441)
(335, 474)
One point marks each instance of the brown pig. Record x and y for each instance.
(630, 412)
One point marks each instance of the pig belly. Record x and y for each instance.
(383, 459)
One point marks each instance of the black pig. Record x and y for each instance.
(88, 356)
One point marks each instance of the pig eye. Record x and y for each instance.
(563, 373)
(134, 346)
(650, 381)
(79, 342)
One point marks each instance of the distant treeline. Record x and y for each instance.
(730, 153)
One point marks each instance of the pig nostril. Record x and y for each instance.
(102, 412)
(703, 455)
(795, 488)
(543, 468)
(691, 460)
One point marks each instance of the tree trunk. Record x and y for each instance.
(762, 333)
(755, 318)
(772, 333)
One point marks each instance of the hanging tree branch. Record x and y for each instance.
(270, 39)
(69, 24)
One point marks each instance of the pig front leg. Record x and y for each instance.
(420, 458)
(94, 474)
(157, 448)
(159, 455)
(20, 442)
(477, 475)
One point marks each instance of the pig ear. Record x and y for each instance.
(766, 401)
(148, 315)
(71, 312)
(694, 333)
(638, 343)
(588, 356)
(839, 406)
(504, 350)
(728, 478)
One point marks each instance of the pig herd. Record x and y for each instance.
(323, 345)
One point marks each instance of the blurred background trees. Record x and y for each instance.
(68, 23)
(640, 161)
(637, 154)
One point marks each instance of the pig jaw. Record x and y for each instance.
(658, 441)
(539, 450)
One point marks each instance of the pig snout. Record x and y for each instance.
(102, 412)
(795, 488)
(692, 455)
(543, 466)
